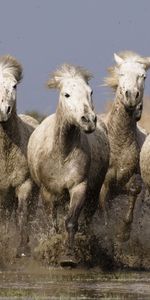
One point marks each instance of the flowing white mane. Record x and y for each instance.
(68, 71)
(128, 56)
(11, 67)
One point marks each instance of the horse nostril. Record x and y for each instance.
(84, 119)
(137, 95)
(8, 109)
(127, 94)
(95, 119)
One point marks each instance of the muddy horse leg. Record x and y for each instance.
(134, 187)
(23, 193)
(90, 208)
(104, 201)
(77, 200)
(6, 207)
(50, 202)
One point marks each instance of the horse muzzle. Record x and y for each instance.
(5, 113)
(88, 123)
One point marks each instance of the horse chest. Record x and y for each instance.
(13, 166)
(126, 162)
(58, 177)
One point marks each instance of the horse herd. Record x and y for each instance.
(75, 153)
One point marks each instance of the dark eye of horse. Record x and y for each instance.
(15, 86)
(67, 95)
(142, 76)
(91, 93)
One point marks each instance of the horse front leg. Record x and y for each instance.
(50, 202)
(23, 192)
(77, 201)
(104, 201)
(105, 196)
(133, 187)
(6, 207)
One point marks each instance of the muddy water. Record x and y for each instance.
(26, 279)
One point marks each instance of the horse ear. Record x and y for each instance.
(118, 59)
(145, 61)
(53, 82)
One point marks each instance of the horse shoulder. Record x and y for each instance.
(17, 165)
(40, 145)
(13, 151)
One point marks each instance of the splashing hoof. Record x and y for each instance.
(68, 261)
(23, 252)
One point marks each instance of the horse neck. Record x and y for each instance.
(121, 124)
(66, 135)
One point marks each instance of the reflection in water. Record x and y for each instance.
(27, 280)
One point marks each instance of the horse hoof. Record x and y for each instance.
(23, 252)
(68, 261)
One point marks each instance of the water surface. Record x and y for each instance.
(26, 279)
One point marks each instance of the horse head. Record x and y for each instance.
(10, 76)
(75, 96)
(131, 72)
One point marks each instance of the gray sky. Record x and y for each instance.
(43, 34)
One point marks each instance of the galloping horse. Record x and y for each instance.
(15, 179)
(127, 79)
(69, 151)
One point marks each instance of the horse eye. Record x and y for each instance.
(15, 86)
(91, 93)
(67, 95)
(142, 76)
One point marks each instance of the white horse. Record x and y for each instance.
(15, 180)
(62, 155)
(127, 79)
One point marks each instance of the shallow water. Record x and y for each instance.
(28, 280)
